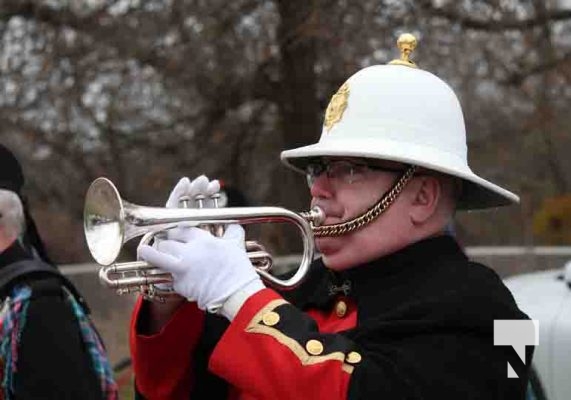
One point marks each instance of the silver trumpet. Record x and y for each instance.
(109, 222)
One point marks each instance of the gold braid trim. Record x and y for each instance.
(256, 326)
(371, 214)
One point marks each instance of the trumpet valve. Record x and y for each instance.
(199, 199)
(215, 197)
(184, 202)
(218, 229)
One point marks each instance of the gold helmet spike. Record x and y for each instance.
(406, 44)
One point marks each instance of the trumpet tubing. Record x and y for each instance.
(110, 221)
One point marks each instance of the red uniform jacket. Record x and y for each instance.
(417, 324)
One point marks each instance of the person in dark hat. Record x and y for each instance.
(49, 348)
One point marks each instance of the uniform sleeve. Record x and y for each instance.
(272, 350)
(53, 362)
(162, 362)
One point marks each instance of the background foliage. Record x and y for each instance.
(146, 91)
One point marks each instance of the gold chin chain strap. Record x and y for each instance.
(371, 214)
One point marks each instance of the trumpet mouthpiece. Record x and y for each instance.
(316, 216)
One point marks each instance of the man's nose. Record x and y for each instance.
(321, 187)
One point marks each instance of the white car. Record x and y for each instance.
(546, 296)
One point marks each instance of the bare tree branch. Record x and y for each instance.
(494, 25)
(516, 78)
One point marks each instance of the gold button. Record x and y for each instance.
(314, 347)
(353, 358)
(271, 318)
(341, 308)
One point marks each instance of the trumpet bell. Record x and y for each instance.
(103, 221)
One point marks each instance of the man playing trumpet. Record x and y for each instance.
(393, 309)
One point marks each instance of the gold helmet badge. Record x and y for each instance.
(336, 107)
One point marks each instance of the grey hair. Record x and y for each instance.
(11, 213)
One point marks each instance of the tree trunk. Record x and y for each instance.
(299, 109)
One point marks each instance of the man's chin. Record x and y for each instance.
(335, 262)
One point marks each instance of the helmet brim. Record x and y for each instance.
(477, 193)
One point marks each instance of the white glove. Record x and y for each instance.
(186, 187)
(207, 269)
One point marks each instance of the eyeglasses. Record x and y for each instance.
(342, 171)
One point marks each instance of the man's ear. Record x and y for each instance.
(425, 198)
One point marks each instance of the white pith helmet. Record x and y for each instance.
(398, 113)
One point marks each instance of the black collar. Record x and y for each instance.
(13, 254)
(368, 280)
(411, 259)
